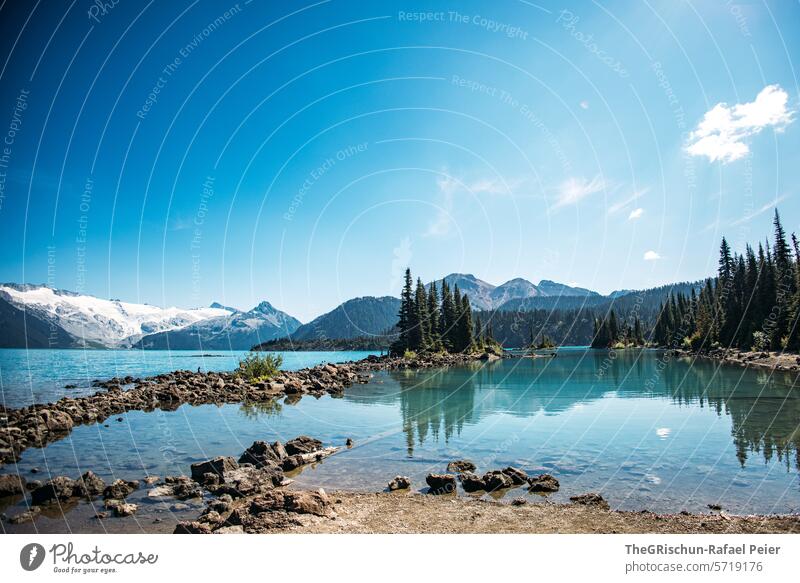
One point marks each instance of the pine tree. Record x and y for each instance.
(405, 317)
(433, 315)
(419, 339)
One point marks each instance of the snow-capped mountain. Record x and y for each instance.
(236, 330)
(91, 321)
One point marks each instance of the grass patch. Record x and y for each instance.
(260, 367)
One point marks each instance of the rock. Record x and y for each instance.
(259, 454)
(441, 483)
(349, 442)
(590, 499)
(121, 508)
(89, 485)
(120, 489)
(717, 507)
(400, 483)
(496, 480)
(308, 502)
(234, 529)
(56, 421)
(60, 488)
(150, 480)
(543, 483)
(517, 476)
(519, 502)
(25, 516)
(471, 483)
(33, 484)
(279, 450)
(249, 480)
(218, 465)
(460, 466)
(296, 501)
(187, 527)
(11, 484)
(292, 462)
(100, 515)
(302, 444)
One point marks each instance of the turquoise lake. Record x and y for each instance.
(645, 430)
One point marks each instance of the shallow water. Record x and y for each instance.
(644, 430)
(40, 376)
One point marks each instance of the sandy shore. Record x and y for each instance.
(419, 513)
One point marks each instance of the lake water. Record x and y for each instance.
(646, 431)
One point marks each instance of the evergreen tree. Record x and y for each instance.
(434, 329)
(405, 317)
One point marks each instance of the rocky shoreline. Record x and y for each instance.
(254, 494)
(38, 425)
(775, 361)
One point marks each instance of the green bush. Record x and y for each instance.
(260, 367)
(410, 355)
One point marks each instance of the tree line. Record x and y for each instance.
(752, 303)
(434, 321)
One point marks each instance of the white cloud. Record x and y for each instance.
(722, 133)
(573, 190)
(584, 104)
(651, 256)
(636, 214)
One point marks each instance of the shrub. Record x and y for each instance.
(410, 355)
(760, 341)
(259, 367)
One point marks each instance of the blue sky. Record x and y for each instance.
(305, 153)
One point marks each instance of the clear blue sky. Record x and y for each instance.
(305, 153)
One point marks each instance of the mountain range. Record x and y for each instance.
(37, 316)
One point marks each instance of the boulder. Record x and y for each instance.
(120, 489)
(460, 466)
(219, 465)
(400, 483)
(302, 444)
(60, 488)
(543, 483)
(590, 499)
(121, 508)
(441, 483)
(471, 483)
(89, 485)
(517, 476)
(292, 462)
(56, 421)
(496, 480)
(11, 484)
(259, 454)
(308, 502)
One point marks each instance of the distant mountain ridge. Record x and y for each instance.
(234, 331)
(37, 316)
(365, 316)
(485, 296)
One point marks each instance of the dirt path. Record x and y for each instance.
(418, 513)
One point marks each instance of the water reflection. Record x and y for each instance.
(763, 408)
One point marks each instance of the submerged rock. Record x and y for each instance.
(460, 466)
(25, 516)
(496, 480)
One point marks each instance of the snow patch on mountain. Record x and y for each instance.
(97, 321)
